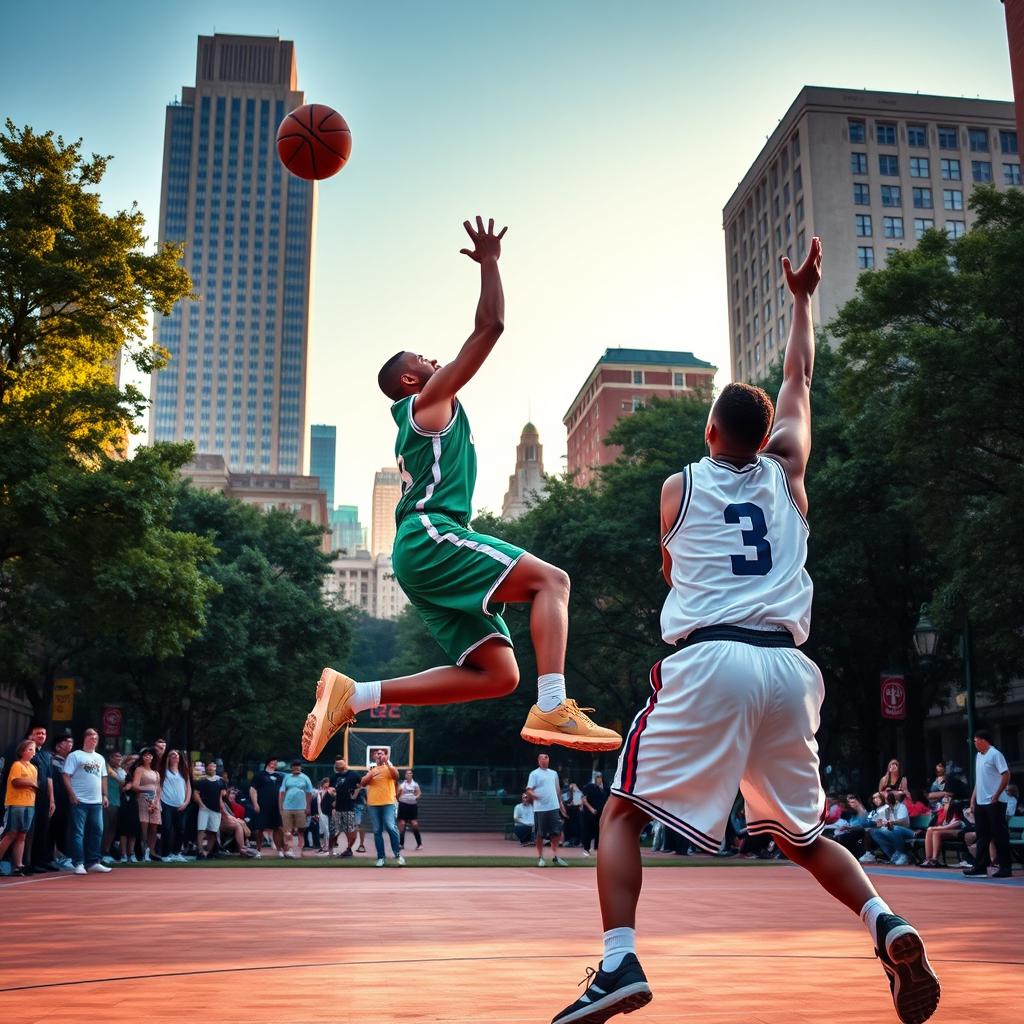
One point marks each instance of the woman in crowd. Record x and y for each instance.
(20, 800)
(948, 822)
(146, 783)
(893, 780)
(175, 796)
(111, 813)
(916, 804)
(892, 833)
(409, 808)
(128, 815)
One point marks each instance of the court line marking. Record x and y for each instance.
(474, 959)
(31, 881)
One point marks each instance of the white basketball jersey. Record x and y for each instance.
(738, 549)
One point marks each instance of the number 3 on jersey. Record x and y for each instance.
(755, 537)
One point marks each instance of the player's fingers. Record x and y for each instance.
(490, 226)
(502, 233)
(479, 224)
(468, 252)
(469, 229)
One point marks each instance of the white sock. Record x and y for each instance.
(617, 943)
(550, 691)
(870, 912)
(367, 696)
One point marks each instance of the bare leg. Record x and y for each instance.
(489, 671)
(619, 868)
(19, 849)
(835, 868)
(546, 587)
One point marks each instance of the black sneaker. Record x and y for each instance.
(608, 993)
(914, 986)
(346, 853)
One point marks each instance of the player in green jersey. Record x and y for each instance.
(457, 579)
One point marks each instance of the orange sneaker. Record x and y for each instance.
(331, 712)
(568, 726)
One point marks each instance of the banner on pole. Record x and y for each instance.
(894, 696)
(63, 700)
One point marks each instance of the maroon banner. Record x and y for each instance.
(113, 720)
(390, 711)
(894, 696)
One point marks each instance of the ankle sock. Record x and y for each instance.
(617, 943)
(870, 912)
(366, 696)
(550, 691)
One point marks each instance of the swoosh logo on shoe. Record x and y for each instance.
(569, 723)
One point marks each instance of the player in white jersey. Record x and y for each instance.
(737, 705)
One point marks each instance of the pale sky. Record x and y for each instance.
(607, 136)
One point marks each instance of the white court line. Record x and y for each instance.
(41, 878)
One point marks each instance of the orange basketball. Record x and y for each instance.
(314, 141)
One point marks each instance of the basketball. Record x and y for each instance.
(314, 141)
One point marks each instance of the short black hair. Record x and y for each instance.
(744, 415)
(296, 763)
(389, 377)
(983, 734)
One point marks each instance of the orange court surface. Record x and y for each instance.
(279, 941)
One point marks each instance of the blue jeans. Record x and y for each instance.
(87, 820)
(383, 819)
(892, 840)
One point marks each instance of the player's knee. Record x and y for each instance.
(558, 581)
(505, 679)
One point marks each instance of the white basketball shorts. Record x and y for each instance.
(723, 716)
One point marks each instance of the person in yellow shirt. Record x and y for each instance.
(20, 798)
(380, 802)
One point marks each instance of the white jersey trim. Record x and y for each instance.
(498, 582)
(472, 647)
(684, 504)
(464, 542)
(789, 490)
(432, 433)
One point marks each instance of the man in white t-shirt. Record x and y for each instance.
(988, 801)
(522, 821)
(85, 778)
(548, 809)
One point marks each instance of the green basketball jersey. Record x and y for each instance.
(438, 469)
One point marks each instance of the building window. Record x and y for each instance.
(678, 380)
(1011, 174)
(889, 165)
(859, 163)
(798, 179)
(950, 170)
(921, 225)
(862, 225)
(638, 376)
(800, 209)
(865, 257)
(862, 194)
(922, 198)
(917, 135)
(955, 228)
(952, 199)
(892, 227)
(857, 132)
(920, 167)
(885, 133)
(948, 137)
(981, 170)
(637, 403)
(1008, 143)
(977, 140)
(892, 195)
(801, 247)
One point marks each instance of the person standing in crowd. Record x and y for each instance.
(893, 780)
(128, 817)
(85, 776)
(320, 817)
(22, 784)
(159, 747)
(56, 856)
(380, 802)
(295, 798)
(209, 797)
(572, 797)
(175, 796)
(409, 793)
(146, 784)
(345, 786)
(111, 813)
(266, 785)
(522, 821)
(988, 801)
(34, 856)
(361, 815)
(548, 809)
(595, 796)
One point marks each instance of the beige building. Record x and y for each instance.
(368, 583)
(387, 489)
(527, 482)
(287, 493)
(236, 380)
(868, 172)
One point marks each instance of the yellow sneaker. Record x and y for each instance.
(568, 726)
(332, 711)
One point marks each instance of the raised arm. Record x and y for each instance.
(671, 500)
(433, 407)
(790, 440)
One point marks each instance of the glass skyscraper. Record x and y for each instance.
(235, 384)
(323, 443)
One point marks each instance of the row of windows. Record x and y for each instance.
(917, 136)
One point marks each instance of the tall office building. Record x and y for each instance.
(526, 484)
(387, 489)
(323, 446)
(869, 172)
(236, 381)
(347, 533)
(621, 381)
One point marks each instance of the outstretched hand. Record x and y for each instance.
(486, 244)
(802, 282)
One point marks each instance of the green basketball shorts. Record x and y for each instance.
(450, 574)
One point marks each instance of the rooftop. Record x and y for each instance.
(654, 356)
